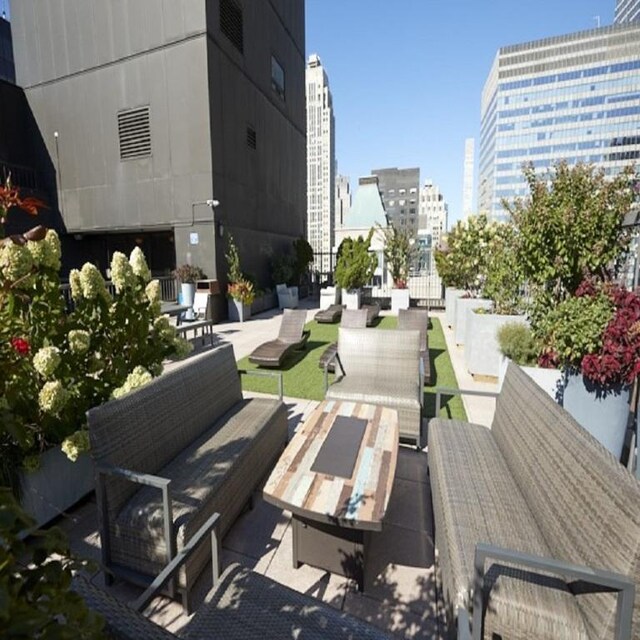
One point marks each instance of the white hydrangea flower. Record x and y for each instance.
(164, 328)
(16, 261)
(183, 347)
(46, 361)
(75, 444)
(52, 397)
(139, 264)
(121, 272)
(93, 285)
(154, 294)
(137, 378)
(46, 252)
(75, 282)
(79, 341)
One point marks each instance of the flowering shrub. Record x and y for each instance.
(242, 291)
(597, 332)
(55, 365)
(187, 273)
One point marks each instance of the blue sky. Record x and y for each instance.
(407, 75)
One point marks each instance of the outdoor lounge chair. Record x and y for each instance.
(418, 319)
(352, 319)
(373, 311)
(243, 605)
(292, 335)
(329, 315)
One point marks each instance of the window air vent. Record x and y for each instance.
(134, 133)
(231, 23)
(251, 137)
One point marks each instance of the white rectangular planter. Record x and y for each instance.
(450, 296)
(464, 306)
(351, 298)
(399, 300)
(329, 296)
(57, 485)
(238, 312)
(482, 353)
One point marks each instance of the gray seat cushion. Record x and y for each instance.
(475, 499)
(392, 392)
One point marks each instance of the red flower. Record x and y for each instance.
(20, 345)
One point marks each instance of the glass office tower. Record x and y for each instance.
(627, 11)
(573, 97)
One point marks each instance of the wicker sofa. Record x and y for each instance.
(535, 519)
(380, 367)
(172, 453)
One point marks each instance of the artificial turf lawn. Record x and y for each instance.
(303, 378)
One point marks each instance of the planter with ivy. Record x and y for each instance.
(355, 268)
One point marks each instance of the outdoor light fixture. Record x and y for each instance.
(212, 204)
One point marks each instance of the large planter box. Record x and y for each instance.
(329, 296)
(399, 300)
(450, 297)
(351, 298)
(57, 485)
(464, 306)
(238, 312)
(482, 353)
(264, 302)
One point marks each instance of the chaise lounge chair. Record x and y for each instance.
(373, 311)
(418, 319)
(291, 336)
(330, 315)
(352, 319)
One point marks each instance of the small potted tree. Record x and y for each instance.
(398, 251)
(355, 268)
(187, 275)
(240, 289)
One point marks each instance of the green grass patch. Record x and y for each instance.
(303, 378)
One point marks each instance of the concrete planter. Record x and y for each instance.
(450, 296)
(351, 298)
(481, 350)
(57, 485)
(188, 295)
(464, 306)
(238, 312)
(549, 380)
(399, 300)
(264, 303)
(329, 296)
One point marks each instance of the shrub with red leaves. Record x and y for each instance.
(20, 345)
(618, 361)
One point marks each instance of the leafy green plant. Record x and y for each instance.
(356, 264)
(398, 252)
(242, 291)
(517, 342)
(303, 252)
(188, 274)
(283, 268)
(35, 576)
(233, 261)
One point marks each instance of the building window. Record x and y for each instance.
(402, 191)
(391, 203)
(277, 77)
(251, 138)
(134, 133)
(231, 23)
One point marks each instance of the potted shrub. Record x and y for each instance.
(398, 251)
(502, 285)
(355, 268)
(187, 275)
(55, 365)
(240, 290)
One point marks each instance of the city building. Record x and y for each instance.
(321, 164)
(434, 215)
(343, 199)
(572, 97)
(467, 181)
(7, 68)
(399, 191)
(627, 11)
(146, 116)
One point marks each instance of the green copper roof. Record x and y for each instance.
(366, 209)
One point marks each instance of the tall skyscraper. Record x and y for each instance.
(343, 199)
(399, 191)
(434, 211)
(321, 163)
(467, 183)
(627, 11)
(572, 97)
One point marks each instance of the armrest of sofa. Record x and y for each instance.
(265, 374)
(450, 391)
(605, 580)
(164, 484)
(327, 364)
(168, 573)
(421, 378)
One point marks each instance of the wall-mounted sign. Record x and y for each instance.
(194, 238)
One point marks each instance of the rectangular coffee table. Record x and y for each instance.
(335, 477)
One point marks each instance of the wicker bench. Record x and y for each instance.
(535, 523)
(380, 367)
(172, 453)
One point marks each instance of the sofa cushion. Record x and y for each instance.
(475, 499)
(197, 474)
(394, 392)
(586, 503)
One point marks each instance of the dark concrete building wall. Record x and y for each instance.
(392, 182)
(84, 61)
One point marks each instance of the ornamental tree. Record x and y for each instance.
(398, 252)
(356, 264)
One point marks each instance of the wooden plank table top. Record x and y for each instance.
(360, 501)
